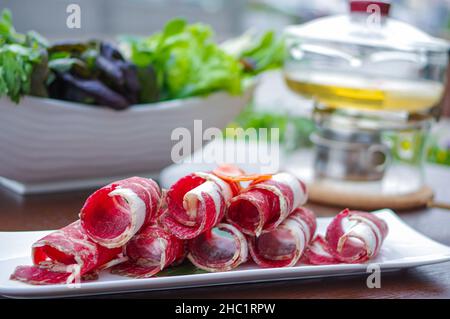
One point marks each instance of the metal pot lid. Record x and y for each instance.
(367, 24)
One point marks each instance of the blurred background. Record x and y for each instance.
(228, 17)
(109, 18)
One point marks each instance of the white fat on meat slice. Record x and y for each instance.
(224, 186)
(163, 244)
(293, 183)
(284, 212)
(242, 241)
(364, 233)
(317, 248)
(371, 224)
(75, 275)
(146, 190)
(241, 255)
(87, 248)
(299, 235)
(304, 226)
(192, 198)
(121, 258)
(137, 209)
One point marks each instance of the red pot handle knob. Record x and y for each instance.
(367, 6)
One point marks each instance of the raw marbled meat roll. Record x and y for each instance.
(112, 215)
(355, 237)
(351, 237)
(149, 252)
(65, 255)
(266, 203)
(196, 203)
(284, 245)
(219, 249)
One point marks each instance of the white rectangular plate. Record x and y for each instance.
(403, 248)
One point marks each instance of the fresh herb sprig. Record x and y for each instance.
(19, 54)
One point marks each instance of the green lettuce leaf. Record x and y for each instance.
(16, 66)
(186, 60)
(19, 54)
(258, 53)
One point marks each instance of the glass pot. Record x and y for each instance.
(366, 60)
(372, 78)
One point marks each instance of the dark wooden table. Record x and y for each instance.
(40, 212)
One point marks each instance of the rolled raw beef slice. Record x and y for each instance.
(65, 254)
(355, 236)
(149, 252)
(219, 249)
(112, 215)
(284, 246)
(266, 204)
(196, 203)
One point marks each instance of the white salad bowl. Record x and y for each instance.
(50, 145)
